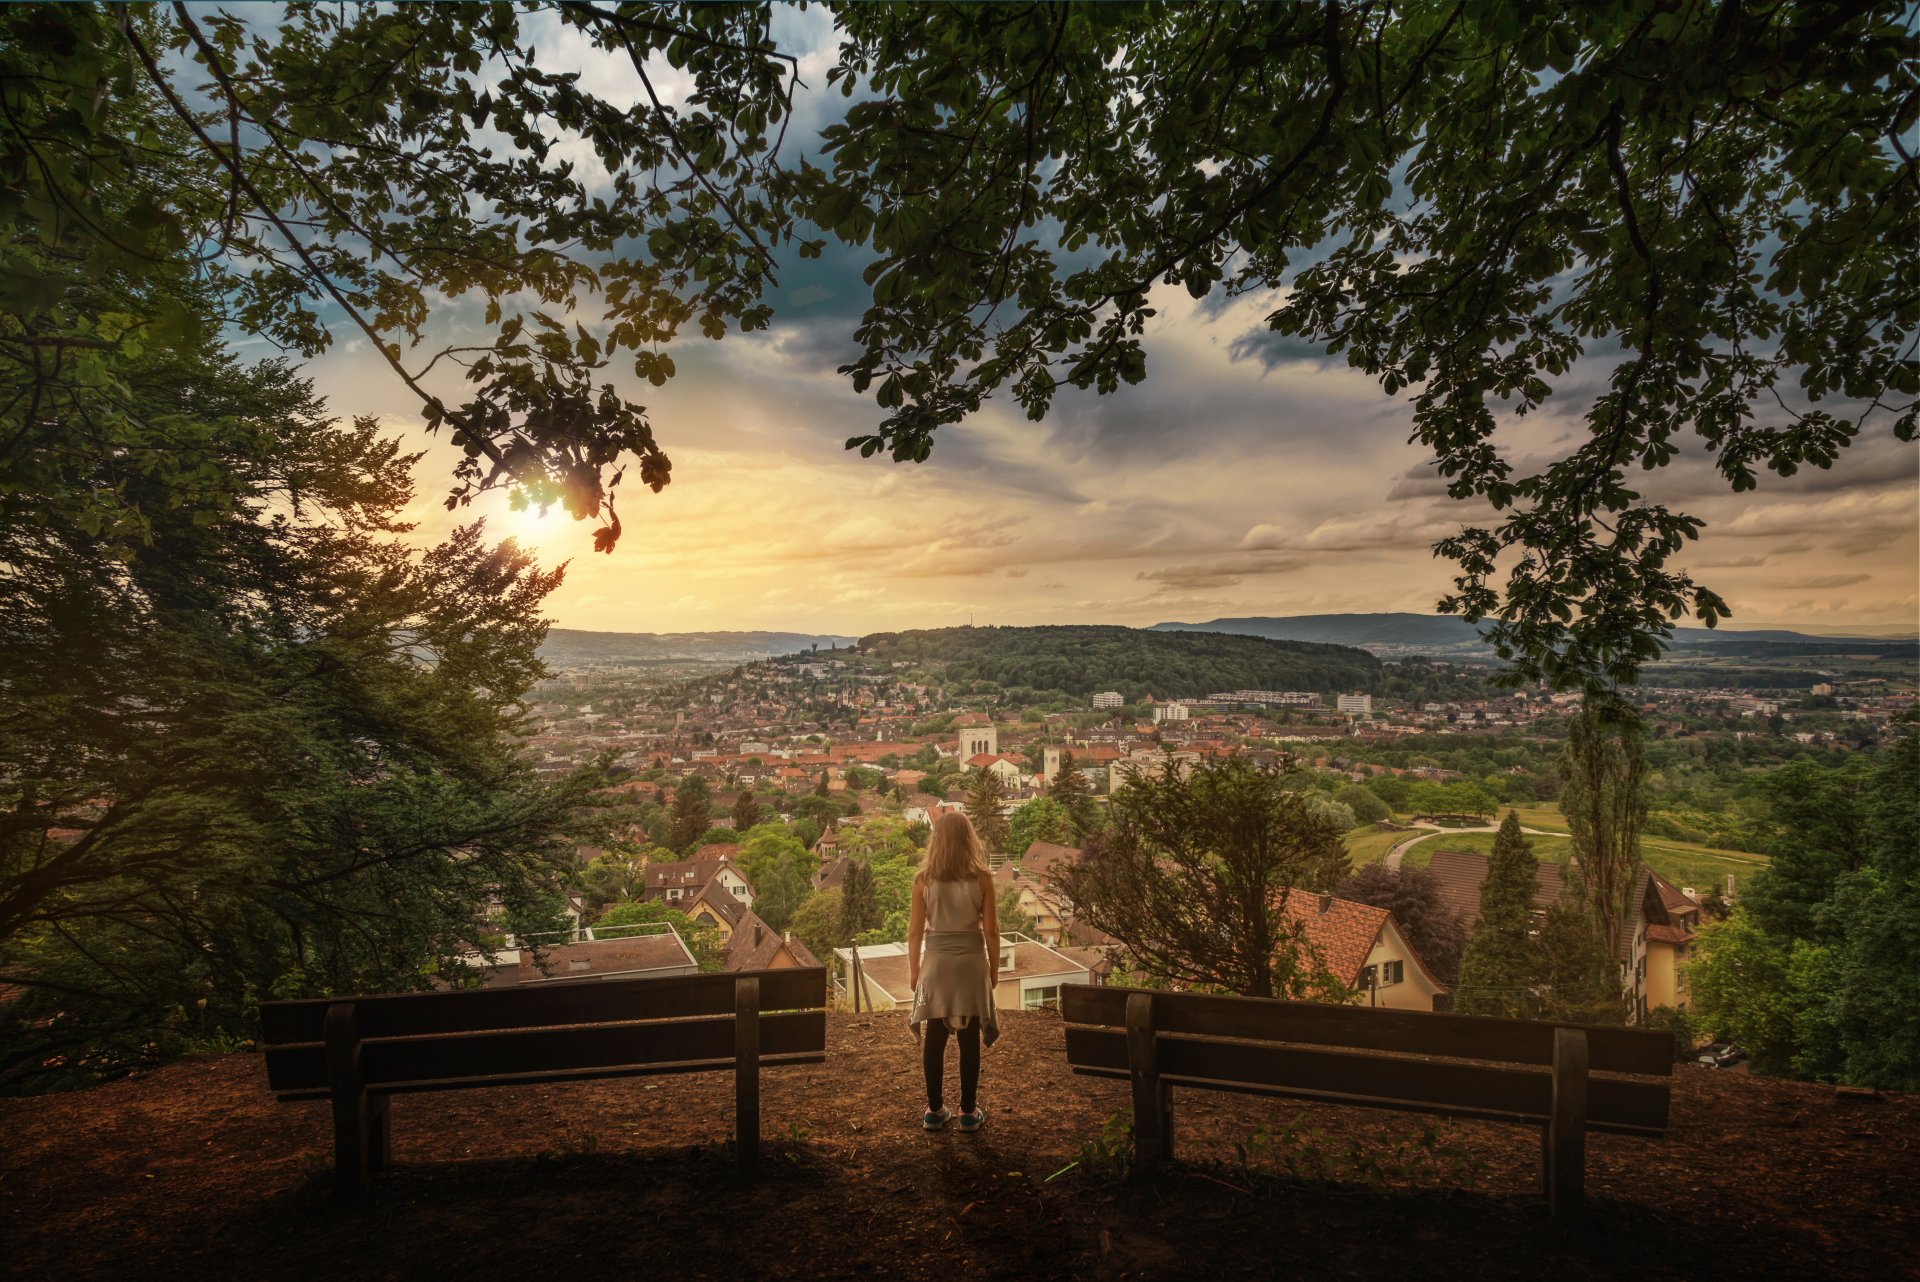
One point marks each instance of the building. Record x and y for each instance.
(758, 946)
(1005, 768)
(1109, 699)
(1169, 712)
(1461, 872)
(679, 883)
(1355, 705)
(1822, 687)
(1044, 861)
(977, 741)
(1029, 975)
(1362, 947)
(617, 952)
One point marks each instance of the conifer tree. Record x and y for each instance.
(1071, 790)
(746, 812)
(1502, 962)
(821, 789)
(985, 792)
(692, 811)
(859, 901)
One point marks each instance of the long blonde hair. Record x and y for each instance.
(953, 851)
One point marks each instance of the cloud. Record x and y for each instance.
(1732, 563)
(1825, 581)
(1272, 349)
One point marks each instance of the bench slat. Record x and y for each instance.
(391, 1061)
(544, 1004)
(1507, 1041)
(1462, 1089)
(563, 1075)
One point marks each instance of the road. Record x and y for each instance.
(1432, 830)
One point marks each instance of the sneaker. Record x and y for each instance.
(975, 1120)
(933, 1120)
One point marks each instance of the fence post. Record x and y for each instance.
(347, 1086)
(1151, 1109)
(746, 1072)
(1564, 1143)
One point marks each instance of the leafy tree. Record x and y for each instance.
(816, 923)
(779, 893)
(1366, 805)
(746, 812)
(692, 810)
(331, 155)
(1042, 819)
(1602, 798)
(985, 793)
(1684, 1027)
(1413, 896)
(859, 902)
(820, 789)
(1739, 982)
(879, 839)
(1071, 791)
(701, 937)
(1193, 876)
(609, 878)
(1579, 978)
(1502, 965)
(1471, 204)
(1817, 831)
(1325, 807)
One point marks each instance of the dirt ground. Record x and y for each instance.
(194, 1171)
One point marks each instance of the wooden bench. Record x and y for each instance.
(359, 1052)
(1535, 1074)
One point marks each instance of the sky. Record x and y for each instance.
(1243, 477)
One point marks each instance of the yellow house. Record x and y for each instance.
(1363, 948)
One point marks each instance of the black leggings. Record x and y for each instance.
(933, 1057)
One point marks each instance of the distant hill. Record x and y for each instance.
(1082, 660)
(1438, 634)
(570, 645)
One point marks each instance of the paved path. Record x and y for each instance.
(1392, 859)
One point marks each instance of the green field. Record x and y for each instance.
(1679, 862)
(1368, 845)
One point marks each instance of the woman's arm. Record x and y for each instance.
(916, 928)
(990, 925)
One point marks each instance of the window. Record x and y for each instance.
(1392, 972)
(1035, 998)
(1368, 977)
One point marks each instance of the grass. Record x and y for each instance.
(1681, 863)
(1369, 846)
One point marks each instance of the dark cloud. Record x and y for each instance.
(1273, 349)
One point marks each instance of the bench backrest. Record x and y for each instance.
(417, 1041)
(1404, 1059)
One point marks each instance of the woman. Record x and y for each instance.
(953, 917)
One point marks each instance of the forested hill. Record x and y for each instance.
(570, 645)
(1083, 660)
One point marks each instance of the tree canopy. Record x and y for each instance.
(1707, 208)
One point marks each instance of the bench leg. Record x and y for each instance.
(1151, 1099)
(746, 1072)
(352, 1158)
(1563, 1148)
(352, 1132)
(379, 1132)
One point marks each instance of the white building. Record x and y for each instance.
(1169, 712)
(1029, 974)
(1109, 699)
(1356, 705)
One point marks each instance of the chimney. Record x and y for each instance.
(759, 933)
(1326, 903)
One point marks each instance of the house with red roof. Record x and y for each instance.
(1362, 947)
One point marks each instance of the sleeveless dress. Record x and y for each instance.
(956, 984)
